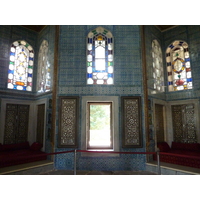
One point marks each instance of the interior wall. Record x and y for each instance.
(190, 34)
(127, 82)
(152, 33)
(9, 34)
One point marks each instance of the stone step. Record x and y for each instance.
(171, 169)
(32, 168)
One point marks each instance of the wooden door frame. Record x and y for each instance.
(164, 104)
(39, 102)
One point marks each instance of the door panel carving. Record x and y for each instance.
(184, 126)
(16, 123)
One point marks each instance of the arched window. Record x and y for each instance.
(44, 71)
(158, 75)
(100, 64)
(178, 66)
(20, 72)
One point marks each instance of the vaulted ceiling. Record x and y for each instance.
(165, 27)
(38, 28)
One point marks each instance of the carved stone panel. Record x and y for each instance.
(131, 122)
(68, 122)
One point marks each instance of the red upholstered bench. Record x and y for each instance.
(186, 154)
(14, 154)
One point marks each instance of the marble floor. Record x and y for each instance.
(78, 172)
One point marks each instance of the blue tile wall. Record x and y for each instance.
(127, 81)
(128, 77)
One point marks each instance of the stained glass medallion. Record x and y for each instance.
(20, 71)
(178, 66)
(100, 57)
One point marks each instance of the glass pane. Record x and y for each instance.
(100, 64)
(99, 56)
(100, 127)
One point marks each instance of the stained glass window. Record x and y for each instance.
(158, 75)
(178, 66)
(20, 72)
(100, 64)
(44, 71)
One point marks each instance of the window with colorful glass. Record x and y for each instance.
(158, 75)
(178, 66)
(20, 72)
(100, 64)
(44, 71)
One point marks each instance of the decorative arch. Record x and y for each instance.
(100, 60)
(20, 71)
(178, 66)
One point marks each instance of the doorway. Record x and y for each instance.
(159, 123)
(16, 123)
(40, 123)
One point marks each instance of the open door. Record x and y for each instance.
(40, 123)
(159, 122)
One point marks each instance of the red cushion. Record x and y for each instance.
(36, 146)
(186, 146)
(163, 146)
(11, 147)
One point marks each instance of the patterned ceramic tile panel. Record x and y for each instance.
(127, 76)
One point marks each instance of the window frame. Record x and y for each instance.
(100, 76)
(90, 147)
(157, 54)
(115, 128)
(171, 69)
(27, 84)
(43, 68)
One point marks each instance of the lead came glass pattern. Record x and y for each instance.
(100, 63)
(20, 72)
(131, 122)
(44, 71)
(68, 122)
(158, 75)
(178, 66)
